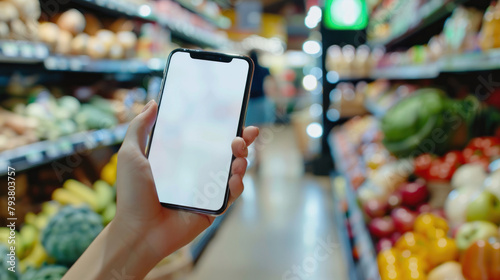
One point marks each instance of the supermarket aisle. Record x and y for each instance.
(282, 228)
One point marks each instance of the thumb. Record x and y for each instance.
(140, 127)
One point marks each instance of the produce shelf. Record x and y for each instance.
(366, 267)
(410, 72)
(146, 12)
(214, 21)
(86, 64)
(338, 190)
(44, 152)
(430, 13)
(12, 51)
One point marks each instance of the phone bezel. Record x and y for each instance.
(216, 57)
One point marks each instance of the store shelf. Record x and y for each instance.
(44, 152)
(12, 51)
(430, 14)
(410, 72)
(367, 264)
(470, 62)
(219, 22)
(186, 32)
(338, 190)
(86, 64)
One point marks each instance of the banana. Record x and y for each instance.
(105, 194)
(50, 208)
(64, 197)
(109, 213)
(41, 221)
(35, 259)
(108, 173)
(30, 218)
(4, 236)
(83, 192)
(29, 236)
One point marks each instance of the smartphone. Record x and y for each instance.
(201, 109)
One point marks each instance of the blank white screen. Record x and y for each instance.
(190, 153)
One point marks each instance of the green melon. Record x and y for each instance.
(48, 272)
(70, 232)
(6, 274)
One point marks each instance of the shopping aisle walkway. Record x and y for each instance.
(283, 226)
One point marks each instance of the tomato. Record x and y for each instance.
(493, 152)
(441, 170)
(455, 158)
(471, 154)
(422, 165)
(483, 143)
(482, 160)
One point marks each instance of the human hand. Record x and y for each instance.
(139, 211)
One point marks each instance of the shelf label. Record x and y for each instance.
(10, 49)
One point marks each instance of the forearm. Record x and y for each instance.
(115, 254)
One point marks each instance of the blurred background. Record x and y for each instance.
(380, 133)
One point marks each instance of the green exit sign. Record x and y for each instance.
(346, 14)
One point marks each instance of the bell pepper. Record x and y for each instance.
(431, 226)
(442, 250)
(481, 261)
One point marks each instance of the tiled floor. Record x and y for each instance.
(282, 228)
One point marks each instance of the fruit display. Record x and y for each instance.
(19, 19)
(47, 272)
(425, 212)
(5, 272)
(48, 115)
(489, 36)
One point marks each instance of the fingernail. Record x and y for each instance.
(146, 107)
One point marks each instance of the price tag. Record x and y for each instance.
(52, 150)
(75, 64)
(65, 147)
(41, 51)
(34, 156)
(10, 49)
(27, 50)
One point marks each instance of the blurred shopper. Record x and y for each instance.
(261, 108)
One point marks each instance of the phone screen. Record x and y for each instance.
(190, 152)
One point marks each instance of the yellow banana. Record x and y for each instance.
(64, 197)
(35, 258)
(83, 192)
(105, 194)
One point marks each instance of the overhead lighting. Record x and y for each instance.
(309, 82)
(313, 17)
(311, 47)
(314, 130)
(144, 10)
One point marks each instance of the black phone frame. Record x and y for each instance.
(218, 57)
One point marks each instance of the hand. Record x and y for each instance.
(139, 211)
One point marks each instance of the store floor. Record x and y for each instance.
(281, 228)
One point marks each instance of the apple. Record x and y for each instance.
(469, 175)
(484, 206)
(381, 227)
(471, 232)
(447, 271)
(395, 236)
(375, 208)
(414, 193)
(384, 243)
(403, 219)
(424, 208)
(394, 200)
(492, 183)
(454, 206)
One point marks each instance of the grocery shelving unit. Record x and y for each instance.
(366, 266)
(450, 72)
(35, 58)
